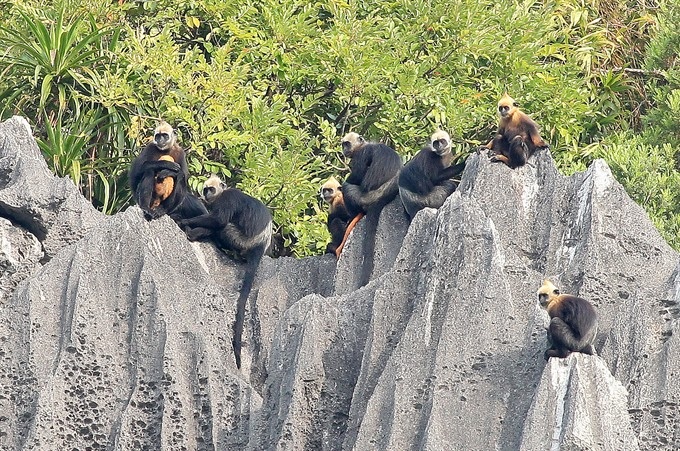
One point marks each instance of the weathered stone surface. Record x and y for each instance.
(20, 253)
(578, 406)
(51, 208)
(434, 341)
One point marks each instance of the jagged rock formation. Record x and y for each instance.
(119, 337)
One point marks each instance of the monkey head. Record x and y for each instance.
(164, 136)
(547, 293)
(351, 142)
(441, 142)
(212, 188)
(506, 106)
(329, 190)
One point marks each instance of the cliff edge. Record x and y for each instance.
(115, 332)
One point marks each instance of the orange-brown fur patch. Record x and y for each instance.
(515, 123)
(163, 188)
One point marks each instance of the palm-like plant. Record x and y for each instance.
(53, 64)
(55, 60)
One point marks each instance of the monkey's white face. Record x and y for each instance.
(328, 193)
(547, 293)
(506, 106)
(212, 188)
(164, 136)
(441, 142)
(350, 142)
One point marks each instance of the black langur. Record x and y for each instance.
(573, 322)
(373, 178)
(338, 216)
(158, 178)
(373, 173)
(517, 137)
(427, 180)
(239, 223)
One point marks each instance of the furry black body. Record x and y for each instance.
(517, 137)
(573, 324)
(427, 179)
(338, 216)
(239, 223)
(147, 170)
(373, 178)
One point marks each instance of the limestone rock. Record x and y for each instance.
(51, 208)
(579, 405)
(421, 336)
(20, 253)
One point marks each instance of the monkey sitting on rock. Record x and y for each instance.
(573, 322)
(236, 222)
(338, 216)
(158, 178)
(517, 137)
(373, 179)
(427, 180)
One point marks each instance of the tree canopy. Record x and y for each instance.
(261, 91)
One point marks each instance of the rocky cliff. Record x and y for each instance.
(115, 332)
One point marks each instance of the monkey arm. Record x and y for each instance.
(449, 173)
(197, 233)
(206, 221)
(358, 166)
(165, 173)
(159, 165)
(536, 139)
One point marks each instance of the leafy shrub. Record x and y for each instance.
(649, 176)
(261, 91)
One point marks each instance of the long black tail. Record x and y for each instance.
(252, 263)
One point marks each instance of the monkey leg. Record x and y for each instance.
(519, 152)
(588, 349)
(501, 158)
(413, 202)
(337, 228)
(350, 227)
(382, 195)
(197, 233)
(561, 335)
(556, 352)
(440, 193)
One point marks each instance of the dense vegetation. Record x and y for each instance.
(261, 90)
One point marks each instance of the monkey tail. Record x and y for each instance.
(252, 263)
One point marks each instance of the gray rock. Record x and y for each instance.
(579, 405)
(20, 253)
(422, 336)
(51, 208)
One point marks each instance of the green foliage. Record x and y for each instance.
(649, 175)
(261, 91)
(664, 88)
(51, 64)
